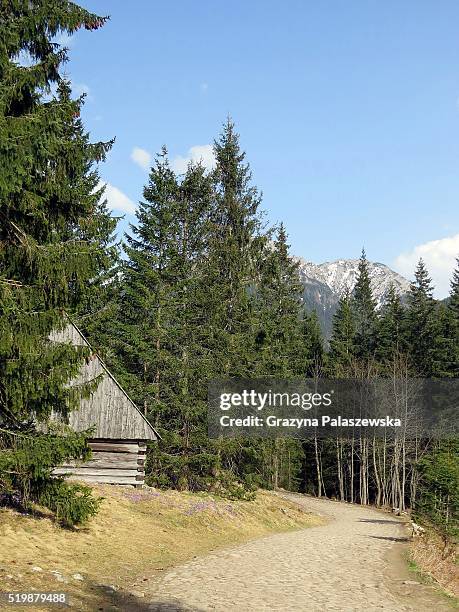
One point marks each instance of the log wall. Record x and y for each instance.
(113, 462)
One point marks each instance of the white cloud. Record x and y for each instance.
(204, 87)
(440, 259)
(141, 157)
(202, 153)
(116, 199)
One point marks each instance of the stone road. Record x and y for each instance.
(346, 565)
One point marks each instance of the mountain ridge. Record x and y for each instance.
(325, 283)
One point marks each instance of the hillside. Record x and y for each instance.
(136, 535)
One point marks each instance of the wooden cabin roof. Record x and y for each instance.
(109, 408)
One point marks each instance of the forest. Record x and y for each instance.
(200, 287)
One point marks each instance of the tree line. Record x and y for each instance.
(200, 288)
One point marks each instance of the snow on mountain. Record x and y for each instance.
(326, 283)
(341, 275)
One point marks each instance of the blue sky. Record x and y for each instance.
(348, 112)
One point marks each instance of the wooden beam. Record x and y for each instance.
(108, 479)
(110, 460)
(101, 465)
(117, 457)
(83, 471)
(117, 447)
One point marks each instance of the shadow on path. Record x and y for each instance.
(103, 599)
(380, 521)
(389, 538)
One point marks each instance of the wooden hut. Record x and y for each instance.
(121, 430)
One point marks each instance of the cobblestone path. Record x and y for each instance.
(345, 565)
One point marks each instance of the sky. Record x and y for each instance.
(348, 113)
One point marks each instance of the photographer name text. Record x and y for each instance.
(300, 423)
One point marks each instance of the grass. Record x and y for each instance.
(136, 535)
(431, 566)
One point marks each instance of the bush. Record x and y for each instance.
(72, 504)
(26, 474)
(196, 472)
(231, 488)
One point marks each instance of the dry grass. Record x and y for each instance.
(429, 555)
(136, 534)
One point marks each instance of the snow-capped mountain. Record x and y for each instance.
(326, 283)
(341, 275)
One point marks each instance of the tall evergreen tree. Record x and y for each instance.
(438, 497)
(235, 248)
(313, 351)
(52, 243)
(342, 342)
(279, 351)
(160, 331)
(279, 312)
(391, 329)
(186, 453)
(144, 308)
(363, 305)
(422, 323)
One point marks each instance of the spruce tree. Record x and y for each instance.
(235, 248)
(160, 334)
(279, 310)
(186, 452)
(422, 324)
(313, 351)
(145, 289)
(51, 246)
(342, 342)
(279, 350)
(363, 305)
(391, 329)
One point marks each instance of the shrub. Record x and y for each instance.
(26, 474)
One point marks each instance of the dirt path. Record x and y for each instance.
(348, 564)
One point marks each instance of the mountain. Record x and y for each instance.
(326, 283)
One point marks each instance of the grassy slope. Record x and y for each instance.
(428, 560)
(136, 534)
